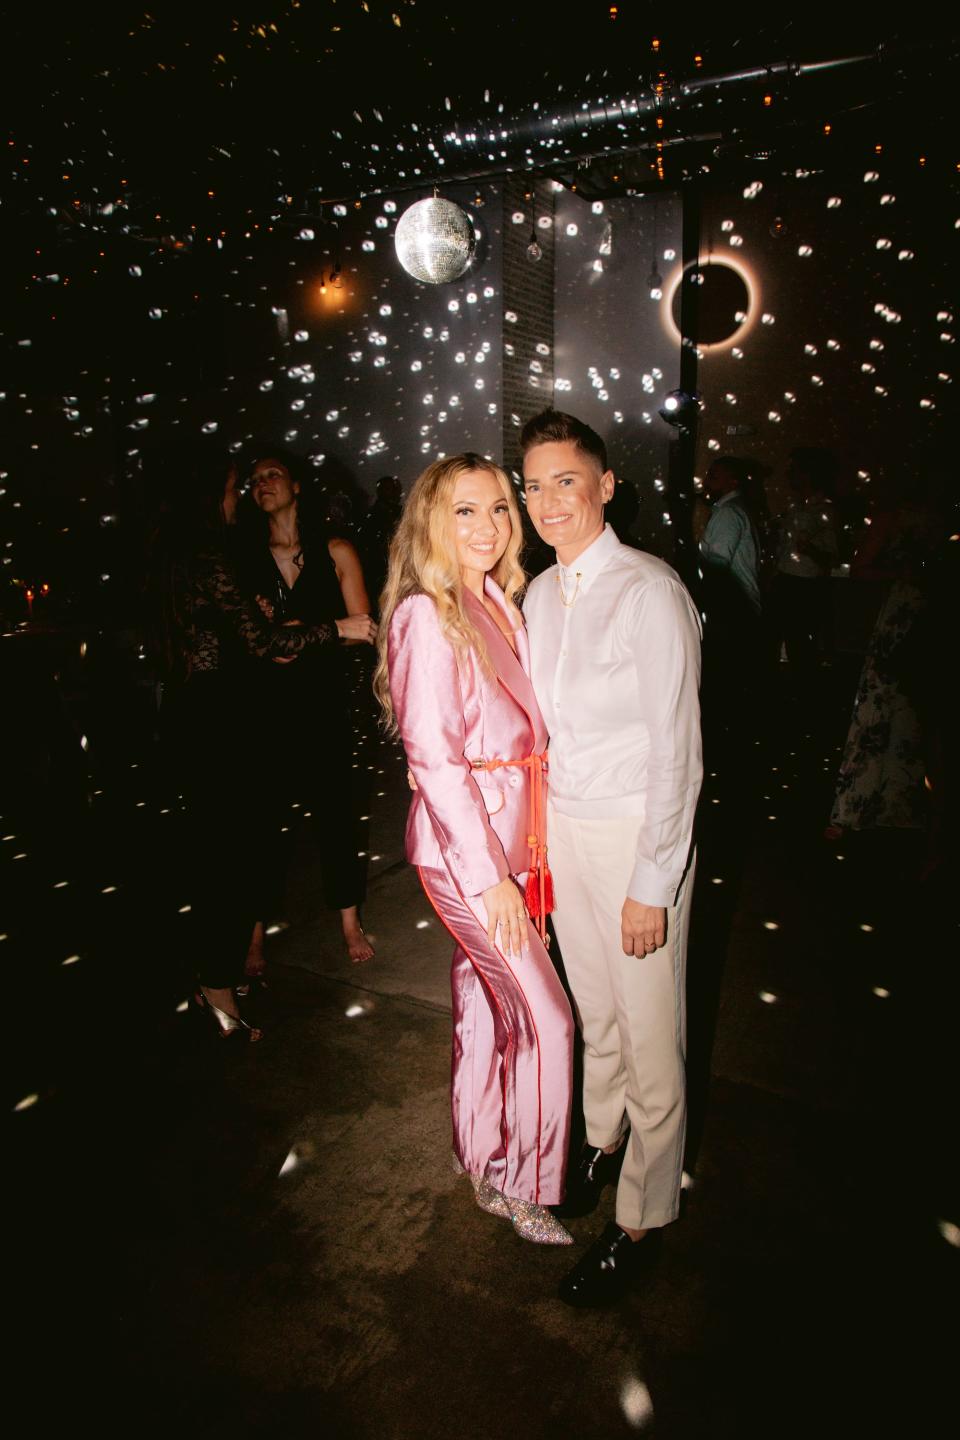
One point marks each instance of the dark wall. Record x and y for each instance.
(850, 342)
(121, 363)
(615, 359)
(122, 354)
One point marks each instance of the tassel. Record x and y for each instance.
(532, 894)
(548, 904)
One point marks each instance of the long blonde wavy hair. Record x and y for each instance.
(423, 562)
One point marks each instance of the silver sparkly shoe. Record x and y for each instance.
(537, 1224)
(485, 1195)
(488, 1198)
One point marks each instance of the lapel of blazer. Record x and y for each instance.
(511, 669)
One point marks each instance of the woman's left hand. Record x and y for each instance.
(287, 624)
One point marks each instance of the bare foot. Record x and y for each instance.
(358, 946)
(256, 961)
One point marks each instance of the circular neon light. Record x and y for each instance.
(753, 300)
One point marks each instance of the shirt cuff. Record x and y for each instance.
(650, 886)
(476, 873)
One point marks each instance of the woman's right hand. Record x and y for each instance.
(506, 910)
(357, 627)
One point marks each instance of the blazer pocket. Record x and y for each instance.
(493, 797)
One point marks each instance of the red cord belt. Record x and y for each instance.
(539, 889)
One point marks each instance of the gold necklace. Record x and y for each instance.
(576, 590)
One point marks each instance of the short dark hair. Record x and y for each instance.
(556, 427)
(735, 466)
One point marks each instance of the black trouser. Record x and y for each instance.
(318, 775)
(223, 821)
(804, 612)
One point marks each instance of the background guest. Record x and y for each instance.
(885, 759)
(734, 652)
(299, 570)
(808, 551)
(376, 532)
(199, 626)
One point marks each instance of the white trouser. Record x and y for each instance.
(632, 1012)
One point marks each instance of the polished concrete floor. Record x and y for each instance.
(270, 1242)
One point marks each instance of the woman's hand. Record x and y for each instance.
(506, 910)
(357, 627)
(286, 625)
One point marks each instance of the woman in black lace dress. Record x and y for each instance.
(202, 627)
(298, 570)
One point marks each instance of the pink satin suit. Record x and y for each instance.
(467, 830)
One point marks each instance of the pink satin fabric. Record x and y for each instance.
(467, 830)
(450, 711)
(511, 1075)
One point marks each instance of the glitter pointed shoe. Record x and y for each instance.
(485, 1195)
(488, 1198)
(537, 1224)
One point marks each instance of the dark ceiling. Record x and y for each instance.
(202, 117)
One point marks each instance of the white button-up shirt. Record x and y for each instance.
(616, 673)
(730, 541)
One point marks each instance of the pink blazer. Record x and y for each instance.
(471, 822)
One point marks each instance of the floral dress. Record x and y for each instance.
(881, 779)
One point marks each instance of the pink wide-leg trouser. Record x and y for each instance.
(512, 1054)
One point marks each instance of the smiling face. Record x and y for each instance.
(272, 487)
(566, 492)
(480, 526)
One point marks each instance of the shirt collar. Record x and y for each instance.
(591, 561)
(730, 495)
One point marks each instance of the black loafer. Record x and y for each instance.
(586, 1183)
(613, 1265)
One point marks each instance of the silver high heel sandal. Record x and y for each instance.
(485, 1195)
(228, 1025)
(536, 1223)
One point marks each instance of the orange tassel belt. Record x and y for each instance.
(539, 889)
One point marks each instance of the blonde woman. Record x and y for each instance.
(454, 680)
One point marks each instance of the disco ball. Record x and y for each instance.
(435, 241)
